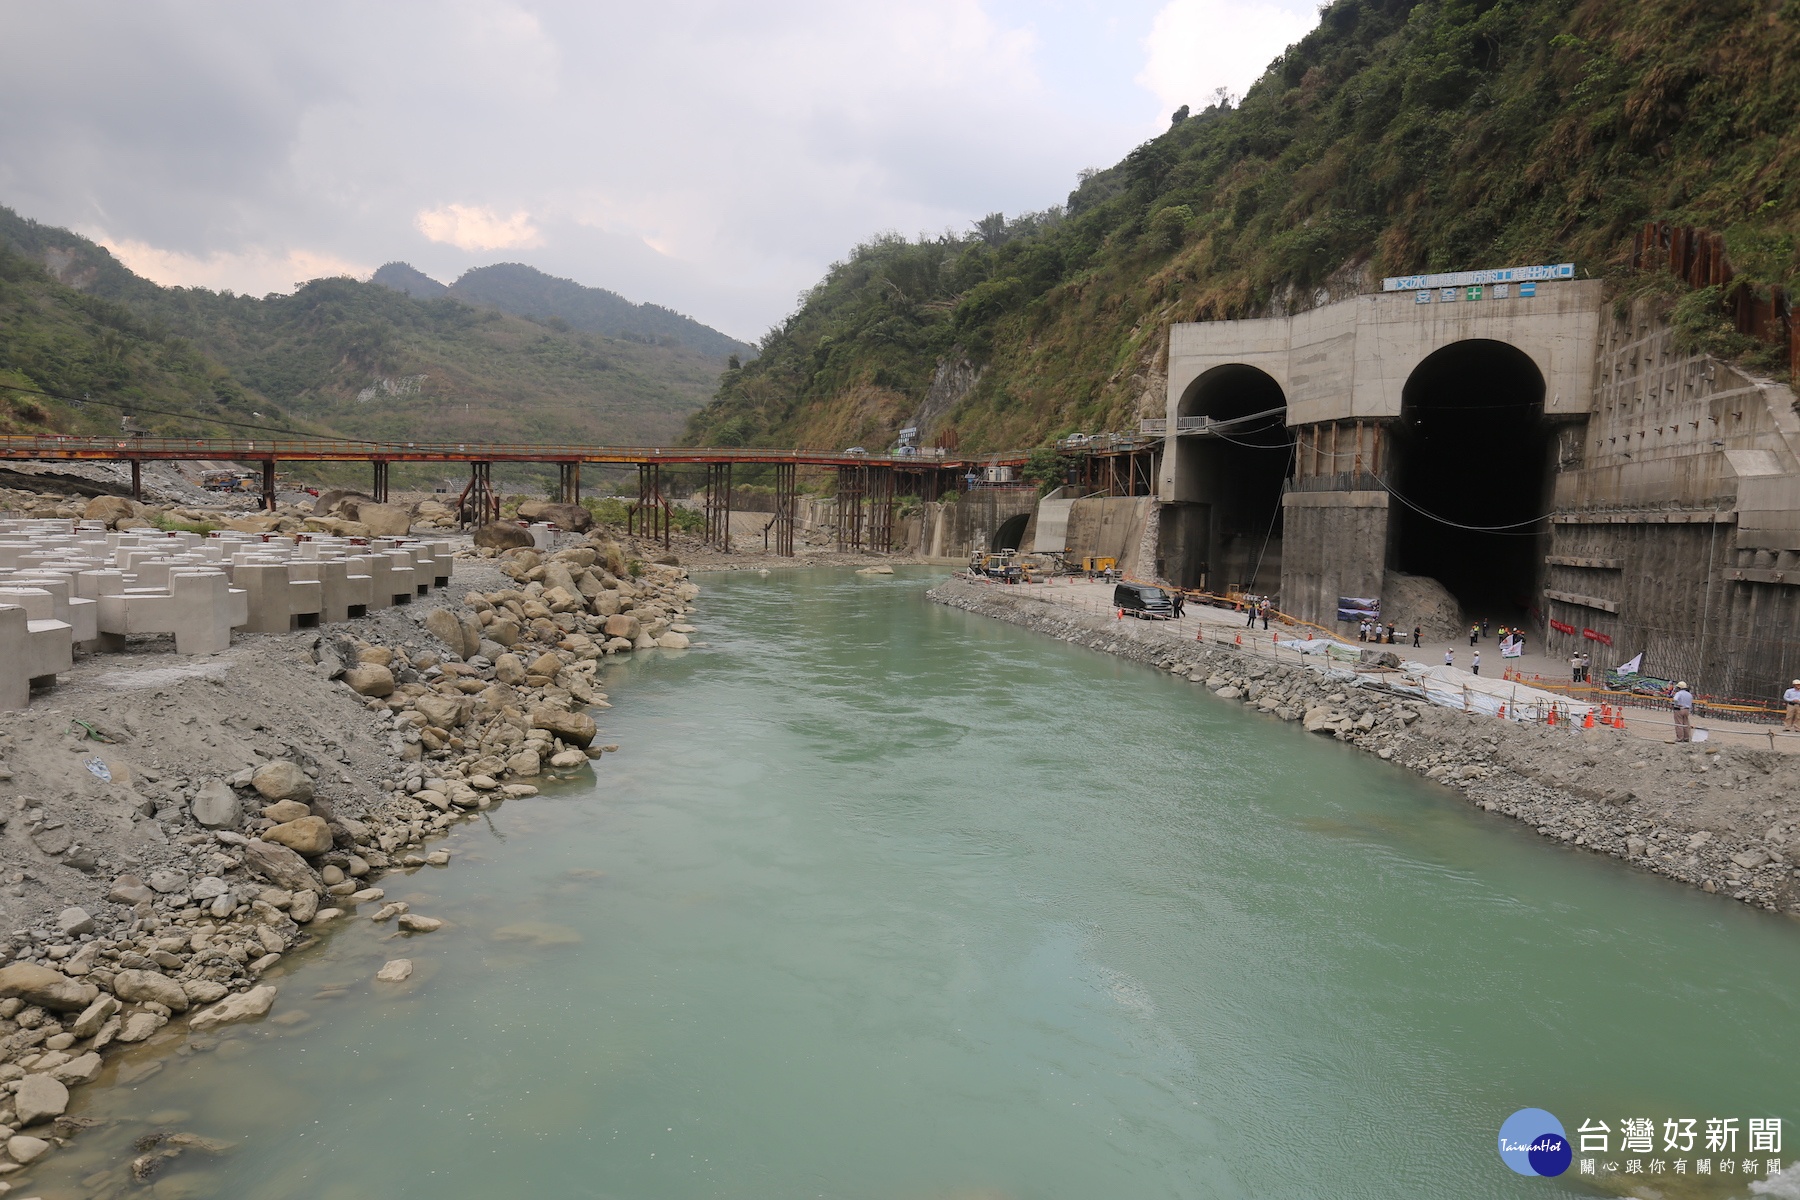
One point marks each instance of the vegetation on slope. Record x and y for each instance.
(1398, 136)
(337, 355)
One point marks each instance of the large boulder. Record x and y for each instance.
(242, 1007)
(282, 780)
(441, 711)
(308, 835)
(40, 1098)
(280, 866)
(45, 988)
(215, 805)
(150, 985)
(622, 625)
(571, 517)
(577, 729)
(447, 629)
(111, 509)
(501, 536)
(328, 500)
(370, 679)
(385, 520)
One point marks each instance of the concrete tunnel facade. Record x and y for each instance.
(1545, 458)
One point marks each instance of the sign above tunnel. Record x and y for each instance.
(1470, 279)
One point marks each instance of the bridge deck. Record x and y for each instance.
(144, 449)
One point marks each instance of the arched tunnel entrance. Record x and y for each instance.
(1223, 529)
(1011, 533)
(1471, 472)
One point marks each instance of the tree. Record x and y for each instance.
(1044, 467)
(1179, 115)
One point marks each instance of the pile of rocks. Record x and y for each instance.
(507, 698)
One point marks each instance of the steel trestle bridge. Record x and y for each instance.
(867, 483)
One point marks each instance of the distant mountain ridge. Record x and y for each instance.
(336, 356)
(528, 292)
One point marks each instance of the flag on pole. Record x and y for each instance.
(1631, 668)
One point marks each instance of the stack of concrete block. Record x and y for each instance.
(78, 586)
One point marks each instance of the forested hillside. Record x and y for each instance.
(337, 355)
(1398, 136)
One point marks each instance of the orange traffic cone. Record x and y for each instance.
(1121, 615)
(1588, 722)
(1552, 721)
(1240, 639)
(1619, 719)
(1502, 712)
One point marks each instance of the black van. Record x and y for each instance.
(1143, 601)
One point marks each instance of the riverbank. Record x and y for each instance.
(1725, 820)
(177, 826)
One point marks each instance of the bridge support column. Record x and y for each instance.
(478, 504)
(380, 486)
(568, 483)
(137, 480)
(649, 518)
(881, 508)
(268, 484)
(718, 505)
(852, 485)
(783, 524)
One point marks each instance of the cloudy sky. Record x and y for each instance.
(710, 156)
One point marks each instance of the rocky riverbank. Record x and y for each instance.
(172, 828)
(1724, 821)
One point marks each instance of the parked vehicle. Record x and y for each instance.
(856, 452)
(1143, 601)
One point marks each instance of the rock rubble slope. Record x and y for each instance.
(172, 828)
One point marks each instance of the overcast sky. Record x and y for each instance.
(708, 156)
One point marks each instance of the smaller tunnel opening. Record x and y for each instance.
(1227, 521)
(1010, 533)
(1472, 455)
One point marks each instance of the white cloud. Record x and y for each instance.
(1196, 47)
(477, 227)
(708, 155)
(254, 272)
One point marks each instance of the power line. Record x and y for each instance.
(1503, 530)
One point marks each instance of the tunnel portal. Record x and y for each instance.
(1471, 476)
(1225, 526)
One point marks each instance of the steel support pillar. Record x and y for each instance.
(568, 483)
(478, 504)
(783, 523)
(380, 488)
(718, 505)
(881, 508)
(852, 486)
(649, 517)
(268, 484)
(137, 480)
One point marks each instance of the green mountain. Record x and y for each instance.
(529, 292)
(1398, 136)
(337, 355)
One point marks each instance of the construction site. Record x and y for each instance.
(1464, 448)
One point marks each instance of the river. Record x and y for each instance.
(881, 900)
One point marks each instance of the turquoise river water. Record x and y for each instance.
(884, 901)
